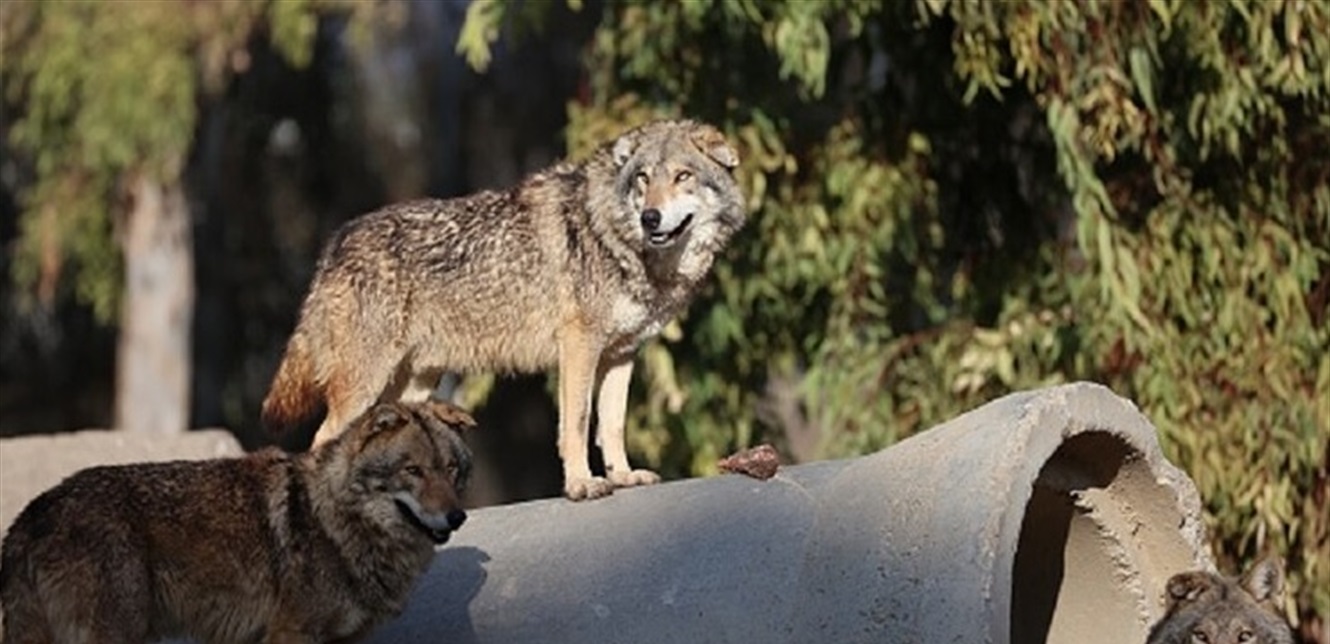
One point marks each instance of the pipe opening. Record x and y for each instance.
(1076, 575)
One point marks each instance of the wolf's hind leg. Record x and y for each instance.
(355, 386)
(611, 409)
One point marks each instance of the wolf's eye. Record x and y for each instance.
(1245, 636)
(640, 179)
(683, 176)
(414, 470)
(1199, 636)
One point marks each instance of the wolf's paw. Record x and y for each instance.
(633, 478)
(587, 488)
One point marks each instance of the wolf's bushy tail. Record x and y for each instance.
(295, 395)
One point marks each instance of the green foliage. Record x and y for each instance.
(294, 23)
(486, 19)
(1206, 241)
(105, 90)
(952, 200)
(85, 94)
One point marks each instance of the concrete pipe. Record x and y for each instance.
(1046, 516)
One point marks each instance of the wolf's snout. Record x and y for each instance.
(651, 219)
(437, 525)
(662, 231)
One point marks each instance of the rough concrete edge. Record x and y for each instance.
(1023, 436)
(1045, 420)
(1145, 441)
(1102, 511)
(1093, 407)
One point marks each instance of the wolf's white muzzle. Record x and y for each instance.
(438, 526)
(659, 230)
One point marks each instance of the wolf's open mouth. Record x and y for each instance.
(664, 237)
(439, 537)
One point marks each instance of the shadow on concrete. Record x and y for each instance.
(445, 594)
(1054, 532)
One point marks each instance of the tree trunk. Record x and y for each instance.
(153, 359)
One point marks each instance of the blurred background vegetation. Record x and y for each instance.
(951, 200)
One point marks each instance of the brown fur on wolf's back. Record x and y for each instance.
(310, 547)
(556, 270)
(1204, 608)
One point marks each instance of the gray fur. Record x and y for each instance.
(572, 268)
(1204, 608)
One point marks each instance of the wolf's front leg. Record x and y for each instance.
(578, 357)
(611, 408)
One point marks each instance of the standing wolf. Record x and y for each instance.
(574, 267)
(1204, 608)
(270, 547)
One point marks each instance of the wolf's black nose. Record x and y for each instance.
(456, 518)
(651, 219)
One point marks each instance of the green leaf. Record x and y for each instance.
(480, 29)
(1142, 73)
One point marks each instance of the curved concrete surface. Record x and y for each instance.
(1043, 516)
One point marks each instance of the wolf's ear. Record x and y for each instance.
(623, 149)
(451, 415)
(385, 417)
(1265, 580)
(713, 143)
(1185, 587)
